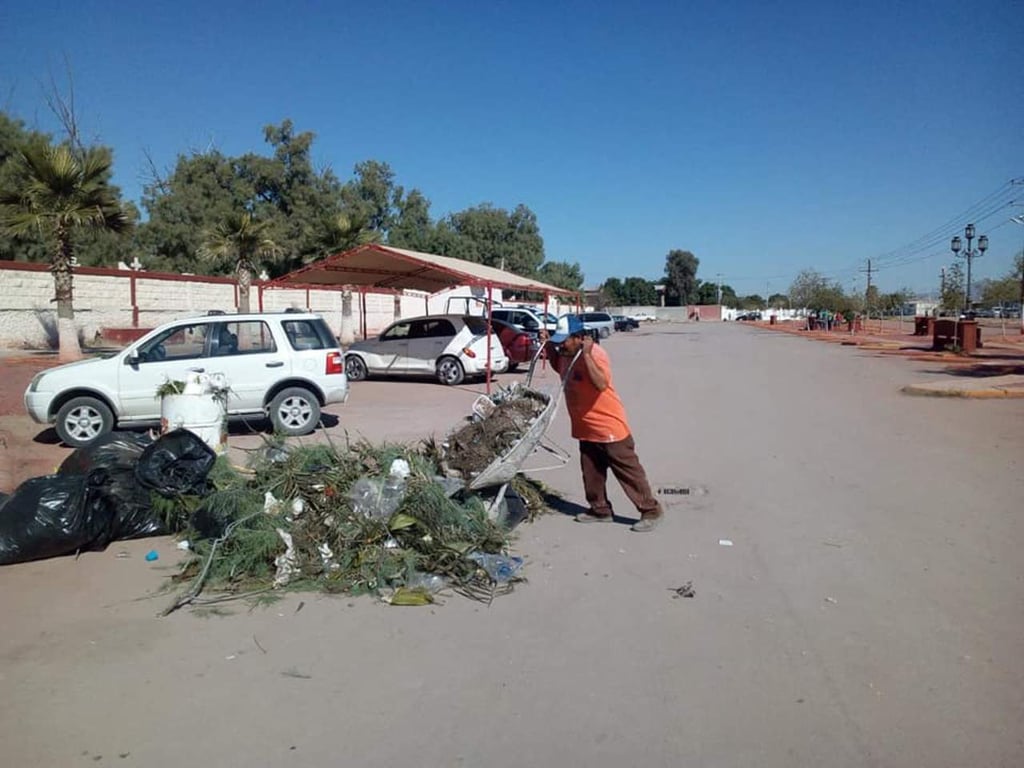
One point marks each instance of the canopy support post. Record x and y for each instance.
(490, 329)
(362, 313)
(544, 360)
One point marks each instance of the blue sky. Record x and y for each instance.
(763, 136)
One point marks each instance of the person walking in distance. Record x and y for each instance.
(599, 424)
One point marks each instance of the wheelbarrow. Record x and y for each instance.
(501, 471)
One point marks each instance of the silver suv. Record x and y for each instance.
(284, 366)
(524, 319)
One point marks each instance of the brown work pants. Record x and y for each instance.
(597, 458)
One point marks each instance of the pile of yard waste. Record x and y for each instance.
(471, 449)
(394, 520)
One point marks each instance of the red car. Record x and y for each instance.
(520, 346)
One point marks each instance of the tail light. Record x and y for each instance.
(468, 352)
(335, 363)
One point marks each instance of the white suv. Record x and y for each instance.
(450, 347)
(285, 366)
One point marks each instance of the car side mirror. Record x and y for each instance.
(133, 358)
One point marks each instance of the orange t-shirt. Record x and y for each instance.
(597, 416)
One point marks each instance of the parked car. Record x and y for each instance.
(285, 366)
(623, 323)
(601, 322)
(520, 346)
(549, 319)
(644, 317)
(450, 347)
(524, 319)
(748, 316)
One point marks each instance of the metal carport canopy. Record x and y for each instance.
(396, 269)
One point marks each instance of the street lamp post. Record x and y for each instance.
(970, 254)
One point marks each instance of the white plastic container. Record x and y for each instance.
(201, 414)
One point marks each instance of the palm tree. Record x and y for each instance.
(241, 239)
(57, 192)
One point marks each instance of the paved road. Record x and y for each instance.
(869, 613)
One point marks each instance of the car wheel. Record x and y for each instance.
(512, 366)
(83, 419)
(450, 371)
(355, 368)
(295, 411)
(604, 333)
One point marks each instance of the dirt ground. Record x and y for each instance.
(855, 555)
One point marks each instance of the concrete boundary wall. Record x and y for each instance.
(120, 299)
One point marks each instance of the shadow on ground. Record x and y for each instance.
(980, 371)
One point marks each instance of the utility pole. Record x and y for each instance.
(942, 285)
(867, 291)
(719, 276)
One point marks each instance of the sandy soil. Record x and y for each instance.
(868, 612)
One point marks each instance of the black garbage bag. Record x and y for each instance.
(110, 462)
(54, 515)
(176, 465)
(114, 449)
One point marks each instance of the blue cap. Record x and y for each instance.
(568, 325)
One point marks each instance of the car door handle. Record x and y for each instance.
(275, 364)
(197, 370)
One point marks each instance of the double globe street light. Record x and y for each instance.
(970, 254)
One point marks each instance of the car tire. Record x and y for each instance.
(82, 420)
(450, 371)
(294, 411)
(604, 333)
(355, 368)
(512, 367)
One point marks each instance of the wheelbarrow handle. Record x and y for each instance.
(536, 358)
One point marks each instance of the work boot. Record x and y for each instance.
(587, 517)
(645, 524)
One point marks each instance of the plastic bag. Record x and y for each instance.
(110, 462)
(501, 568)
(114, 449)
(51, 516)
(176, 465)
(377, 499)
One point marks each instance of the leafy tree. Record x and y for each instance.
(894, 301)
(240, 240)
(412, 227)
(778, 300)
(953, 289)
(493, 236)
(705, 293)
(812, 290)
(302, 208)
(639, 292)
(58, 193)
(372, 194)
(614, 292)
(562, 274)
(871, 298)
(753, 301)
(1003, 290)
(203, 189)
(680, 277)
(13, 138)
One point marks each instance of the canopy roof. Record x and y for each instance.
(385, 268)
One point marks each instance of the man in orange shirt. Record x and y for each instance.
(599, 424)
